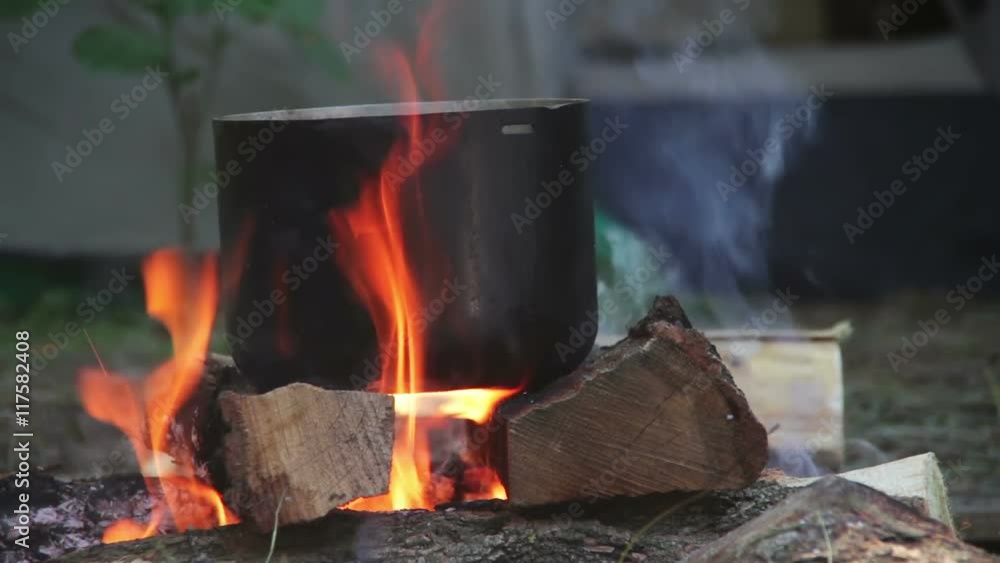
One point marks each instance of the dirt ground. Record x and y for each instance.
(944, 399)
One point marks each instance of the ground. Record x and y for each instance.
(944, 399)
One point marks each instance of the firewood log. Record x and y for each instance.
(657, 412)
(916, 481)
(297, 452)
(649, 528)
(838, 520)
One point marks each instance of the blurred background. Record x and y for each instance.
(832, 150)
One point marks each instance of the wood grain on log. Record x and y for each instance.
(306, 449)
(657, 412)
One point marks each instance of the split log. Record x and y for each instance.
(650, 528)
(297, 452)
(916, 481)
(657, 412)
(793, 381)
(839, 520)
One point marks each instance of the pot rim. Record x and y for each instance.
(401, 109)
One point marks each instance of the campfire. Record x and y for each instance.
(657, 412)
(336, 242)
(181, 293)
(375, 261)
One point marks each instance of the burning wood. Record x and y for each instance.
(378, 267)
(183, 296)
(296, 453)
(323, 448)
(656, 412)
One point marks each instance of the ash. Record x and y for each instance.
(68, 516)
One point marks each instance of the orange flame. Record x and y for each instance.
(184, 299)
(375, 262)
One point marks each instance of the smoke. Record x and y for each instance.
(720, 122)
(703, 164)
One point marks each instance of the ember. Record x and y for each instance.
(183, 296)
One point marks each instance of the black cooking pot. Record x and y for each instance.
(498, 228)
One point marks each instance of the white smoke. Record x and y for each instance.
(718, 94)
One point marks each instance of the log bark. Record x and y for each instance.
(72, 516)
(657, 412)
(297, 452)
(484, 531)
(651, 528)
(839, 520)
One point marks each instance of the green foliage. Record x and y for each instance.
(258, 11)
(300, 14)
(17, 9)
(125, 49)
(323, 53)
(118, 48)
(298, 19)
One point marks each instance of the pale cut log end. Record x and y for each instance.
(316, 449)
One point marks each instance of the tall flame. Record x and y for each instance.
(183, 296)
(375, 261)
